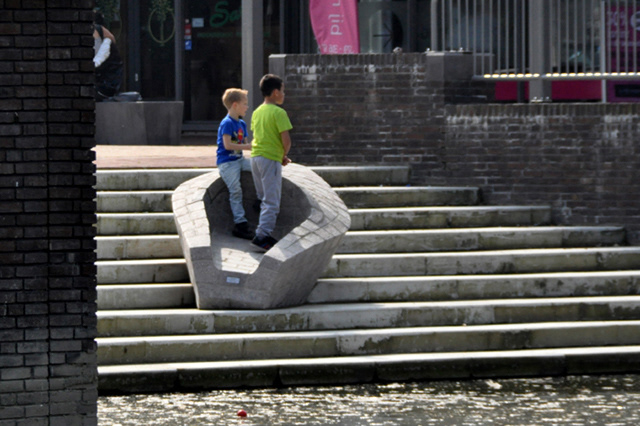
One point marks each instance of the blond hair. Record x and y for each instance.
(233, 95)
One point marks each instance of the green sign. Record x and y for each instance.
(222, 15)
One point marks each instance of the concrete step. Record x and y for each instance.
(160, 201)
(138, 247)
(169, 179)
(372, 197)
(406, 264)
(470, 287)
(366, 316)
(178, 377)
(146, 296)
(361, 219)
(135, 224)
(133, 201)
(398, 289)
(484, 262)
(469, 297)
(144, 179)
(448, 217)
(395, 241)
(341, 176)
(336, 343)
(142, 271)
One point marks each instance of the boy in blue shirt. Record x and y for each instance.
(231, 163)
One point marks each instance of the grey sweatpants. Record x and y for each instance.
(267, 177)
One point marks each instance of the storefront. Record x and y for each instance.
(197, 60)
(192, 50)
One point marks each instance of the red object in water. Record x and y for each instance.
(242, 413)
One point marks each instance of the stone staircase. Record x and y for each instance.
(428, 284)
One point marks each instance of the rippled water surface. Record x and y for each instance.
(584, 400)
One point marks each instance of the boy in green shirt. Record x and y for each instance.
(271, 143)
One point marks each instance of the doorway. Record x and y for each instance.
(212, 57)
(190, 50)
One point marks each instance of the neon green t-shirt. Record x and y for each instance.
(267, 122)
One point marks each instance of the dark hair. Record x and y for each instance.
(98, 17)
(269, 83)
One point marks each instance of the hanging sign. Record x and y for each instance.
(335, 25)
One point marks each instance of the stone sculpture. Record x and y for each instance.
(229, 273)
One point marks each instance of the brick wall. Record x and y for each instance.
(582, 159)
(374, 108)
(423, 110)
(47, 272)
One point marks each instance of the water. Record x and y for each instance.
(576, 400)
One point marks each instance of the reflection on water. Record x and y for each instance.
(584, 400)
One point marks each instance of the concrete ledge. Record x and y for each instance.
(417, 196)
(366, 316)
(521, 261)
(147, 179)
(368, 369)
(119, 242)
(139, 123)
(470, 287)
(397, 289)
(360, 342)
(483, 262)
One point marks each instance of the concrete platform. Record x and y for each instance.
(397, 289)
(177, 322)
(362, 324)
(128, 245)
(155, 156)
(330, 343)
(367, 369)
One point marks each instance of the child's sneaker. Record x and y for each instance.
(264, 243)
(241, 230)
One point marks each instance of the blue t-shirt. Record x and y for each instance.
(238, 131)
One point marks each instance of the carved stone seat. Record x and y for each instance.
(230, 273)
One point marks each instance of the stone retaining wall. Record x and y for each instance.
(582, 159)
(423, 109)
(47, 212)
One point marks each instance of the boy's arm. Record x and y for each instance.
(286, 141)
(108, 34)
(286, 144)
(232, 146)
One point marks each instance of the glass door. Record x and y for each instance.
(212, 57)
(157, 30)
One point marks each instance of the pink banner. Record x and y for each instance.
(335, 25)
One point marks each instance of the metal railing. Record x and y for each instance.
(542, 40)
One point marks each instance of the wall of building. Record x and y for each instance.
(47, 212)
(423, 110)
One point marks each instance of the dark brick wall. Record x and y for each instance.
(47, 212)
(353, 109)
(423, 110)
(582, 159)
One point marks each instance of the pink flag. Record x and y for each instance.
(335, 25)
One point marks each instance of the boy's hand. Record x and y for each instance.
(285, 160)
